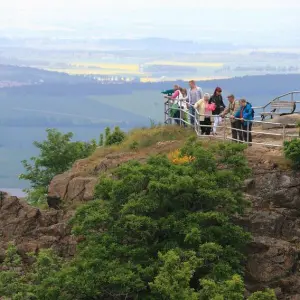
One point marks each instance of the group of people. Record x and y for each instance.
(211, 108)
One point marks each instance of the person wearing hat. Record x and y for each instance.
(231, 110)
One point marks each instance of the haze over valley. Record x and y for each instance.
(97, 66)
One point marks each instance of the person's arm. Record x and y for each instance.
(189, 97)
(197, 104)
(222, 102)
(175, 95)
(225, 112)
(200, 93)
(237, 114)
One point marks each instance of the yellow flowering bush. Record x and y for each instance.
(176, 158)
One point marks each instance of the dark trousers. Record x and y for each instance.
(205, 129)
(236, 131)
(192, 114)
(177, 117)
(247, 135)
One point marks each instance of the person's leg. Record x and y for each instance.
(240, 130)
(216, 124)
(250, 133)
(177, 117)
(233, 131)
(202, 127)
(247, 133)
(208, 124)
(192, 115)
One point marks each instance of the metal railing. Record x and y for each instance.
(253, 133)
(288, 97)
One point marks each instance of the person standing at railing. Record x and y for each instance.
(245, 115)
(217, 99)
(174, 101)
(183, 106)
(205, 109)
(195, 93)
(232, 108)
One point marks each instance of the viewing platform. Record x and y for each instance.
(274, 123)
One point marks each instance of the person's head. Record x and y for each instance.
(218, 91)
(192, 84)
(183, 92)
(176, 87)
(231, 98)
(243, 102)
(206, 96)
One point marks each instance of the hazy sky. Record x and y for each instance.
(193, 19)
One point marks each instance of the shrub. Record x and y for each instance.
(160, 227)
(292, 152)
(158, 230)
(115, 138)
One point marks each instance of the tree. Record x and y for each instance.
(57, 154)
(116, 137)
(101, 140)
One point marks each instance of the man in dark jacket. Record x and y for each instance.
(217, 99)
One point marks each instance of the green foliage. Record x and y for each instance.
(57, 154)
(17, 284)
(115, 138)
(134, 145)
(112, 138)
(101, 140)
(155, 218)
(292, 152)
(158, 231)
(267, 295)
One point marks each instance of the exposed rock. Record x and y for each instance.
(73, 187)
(271, 259)
(285, 119)
(32, 229)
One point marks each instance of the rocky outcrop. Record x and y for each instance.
(274, 221)
(32, 229)
(287, 120)
(73, 187)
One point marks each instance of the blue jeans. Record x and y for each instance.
(192, 114)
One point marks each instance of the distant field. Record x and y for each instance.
(102, 68)
(187, 64)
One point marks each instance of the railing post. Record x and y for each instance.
(248, 125)
(224, 130)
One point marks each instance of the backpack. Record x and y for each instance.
(253, 112)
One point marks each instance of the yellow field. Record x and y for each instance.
(107, 66)
(93, 68)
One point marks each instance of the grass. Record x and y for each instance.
(140, 143)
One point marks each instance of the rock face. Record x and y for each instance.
(274, 254)
(285, 119)
(73, 187)
(32, 229)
